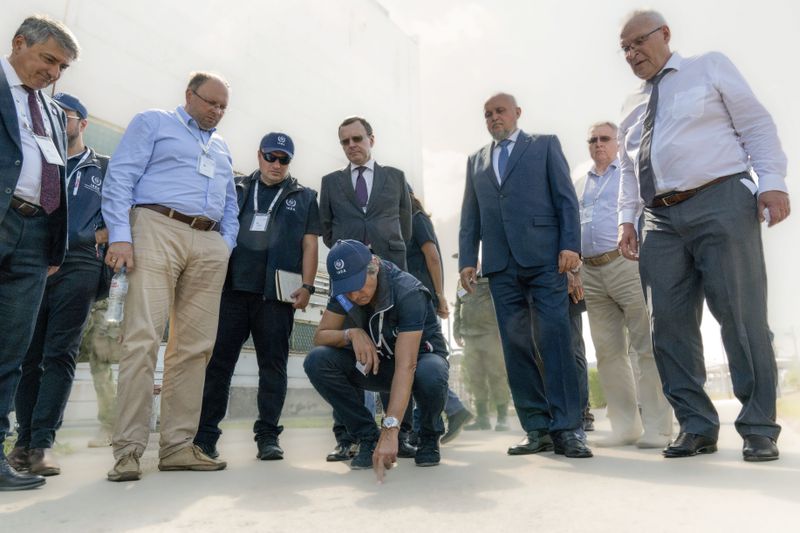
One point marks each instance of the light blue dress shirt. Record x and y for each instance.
(156, 162)
(600, 195)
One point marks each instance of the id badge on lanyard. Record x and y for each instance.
(261, 220)
(49, 150)
(206, 166)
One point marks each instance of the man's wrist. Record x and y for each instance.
(347, 339)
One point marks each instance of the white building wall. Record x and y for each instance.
(297, 66)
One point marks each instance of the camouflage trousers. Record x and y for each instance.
(102, 349)
(485, 369)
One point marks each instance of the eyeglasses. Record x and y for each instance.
(212, 103)
(355, 139)
(638, 42)
(283, 160)
(73, 117)
(601, 138)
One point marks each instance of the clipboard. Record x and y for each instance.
(286, 283)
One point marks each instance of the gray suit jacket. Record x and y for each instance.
(386, 226)
(11, 164)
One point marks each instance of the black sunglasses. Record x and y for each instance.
(355, 138)
(601, 138)
(283, 160)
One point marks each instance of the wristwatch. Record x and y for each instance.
(310, 288)
(390, 422)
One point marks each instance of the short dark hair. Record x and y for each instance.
(198, 78)
(353, 119)
(38, 28)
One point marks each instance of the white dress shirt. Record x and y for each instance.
(29, 184)
(369, 176)
(496, 152)
(708, 124)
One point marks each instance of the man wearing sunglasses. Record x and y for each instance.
(692, 138)
(616, 307)
(278, 232)
(169, 201)
(366, 201)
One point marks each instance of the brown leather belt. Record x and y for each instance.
(201, 223)
(603, 259)
(24, 208)
(676, 197)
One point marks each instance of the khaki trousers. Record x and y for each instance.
(618, 315)
(178, 274)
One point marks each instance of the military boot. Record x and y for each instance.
(482, 421)
(502, 418)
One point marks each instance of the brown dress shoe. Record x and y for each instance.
(18, 458)
(43, 462)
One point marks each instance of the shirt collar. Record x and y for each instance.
(512, 138)
(369, 165)
(613, 165)
(187, 118)
(11, 74)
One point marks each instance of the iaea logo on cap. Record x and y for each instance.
(281, 140)
(338, 264)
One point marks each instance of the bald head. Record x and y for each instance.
(501, 113)
(645, 38)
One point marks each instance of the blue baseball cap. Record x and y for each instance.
(277, 142)
(347, 266)
(67, 101)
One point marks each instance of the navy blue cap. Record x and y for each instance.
(277, 142)
(347, 266)
(67, 101)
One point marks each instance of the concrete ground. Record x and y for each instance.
(476, 488)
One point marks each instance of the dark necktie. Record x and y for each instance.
(50, 194)
(502, 159)
(647, 178)
(361, 188)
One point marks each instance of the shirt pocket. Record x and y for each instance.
(689, 103)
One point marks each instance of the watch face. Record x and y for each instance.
(390, 422)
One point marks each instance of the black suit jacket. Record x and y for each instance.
(386, 225)
(11, 164)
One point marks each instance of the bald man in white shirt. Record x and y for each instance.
(691, 139)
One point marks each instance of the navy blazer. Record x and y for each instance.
(533, 215)
(386, 225)
(11, 164)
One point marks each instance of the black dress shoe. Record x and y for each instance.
(571, 444)
(689, 444)
(343, 452)
(10, 479)
(405, 450)
(534, 442)
(759, 448)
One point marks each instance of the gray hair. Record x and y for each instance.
(38, 28)
(604, 123)
(198, 78)
(650, 14)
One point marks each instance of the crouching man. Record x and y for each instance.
(379, 333)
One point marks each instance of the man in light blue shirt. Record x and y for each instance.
(169, 202)
(616, 307)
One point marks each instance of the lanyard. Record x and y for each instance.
(271, 206)
(78, 177)
(204, 147)
(602, 187)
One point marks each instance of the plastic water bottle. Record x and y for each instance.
(116, 298)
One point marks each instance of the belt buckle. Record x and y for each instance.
(665, 200)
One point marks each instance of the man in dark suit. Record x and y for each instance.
(365, 201)
(520, 203)
(33, 206)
